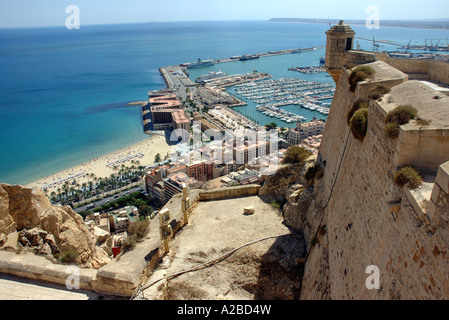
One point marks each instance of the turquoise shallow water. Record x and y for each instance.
(64, 93)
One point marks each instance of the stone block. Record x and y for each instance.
(11, 242)
(409, 135)
(442, 178)
(394, 206)
(249, 210)
(408, 150)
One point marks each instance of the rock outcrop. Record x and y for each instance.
(28, 222)
(288, 179)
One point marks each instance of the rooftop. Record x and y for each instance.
(312, 124)
(179, 116)
(167, 101)
(432, 105)
(341, 27)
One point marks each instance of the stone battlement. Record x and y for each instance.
(358, 216)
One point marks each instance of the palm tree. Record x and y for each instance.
(100, 185)
(141, 169)
(53, 197)
(59, 194)
(95, 179)
(66, 188)
(72, 193)
(78, 195)
(93, 176)
(113, 179)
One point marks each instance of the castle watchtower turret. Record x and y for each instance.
(340, 39)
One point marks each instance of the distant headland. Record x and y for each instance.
(425, 24)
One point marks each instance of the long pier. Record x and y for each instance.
(270, 54)
(176, 78)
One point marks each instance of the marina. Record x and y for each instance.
(270, 95)
(257, 96)
(308, 70)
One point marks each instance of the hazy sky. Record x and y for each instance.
(26, 13)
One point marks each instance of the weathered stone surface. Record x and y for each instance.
(30, 221)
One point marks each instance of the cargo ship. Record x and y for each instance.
(200, 64)
(249, 57)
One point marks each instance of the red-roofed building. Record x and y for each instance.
(167, 113)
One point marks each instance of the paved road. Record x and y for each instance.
(16, 288)
(99, 203)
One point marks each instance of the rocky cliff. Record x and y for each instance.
(28, 222)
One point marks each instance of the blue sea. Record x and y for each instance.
(64, 93)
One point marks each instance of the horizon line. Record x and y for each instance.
(227, 20)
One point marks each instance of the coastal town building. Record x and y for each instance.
(205, 124)
(167, 114)
(153, 176)
(249, 151)
(165, 181)
(173, 185)
(116, 221)
(243, 177)
(304, 131)
(202, 170)
(159, 192)
(312, 143)
(247, 177)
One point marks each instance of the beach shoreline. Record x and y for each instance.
(142, 152)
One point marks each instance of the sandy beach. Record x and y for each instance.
(144, 152)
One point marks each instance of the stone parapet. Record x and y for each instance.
(230, 193)
(31, 266)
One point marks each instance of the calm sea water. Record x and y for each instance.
(64, 93)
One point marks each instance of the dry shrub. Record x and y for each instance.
(295, 155)
(397, 117)
(359, 124)
(359, 104)
(408, 176)
(402, 115)
(359, 74)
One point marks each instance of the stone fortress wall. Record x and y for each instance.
(358, 216)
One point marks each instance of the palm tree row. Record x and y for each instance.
(123, 176)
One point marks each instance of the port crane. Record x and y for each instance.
(437, 45)
(407, 49)
(376, 45)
